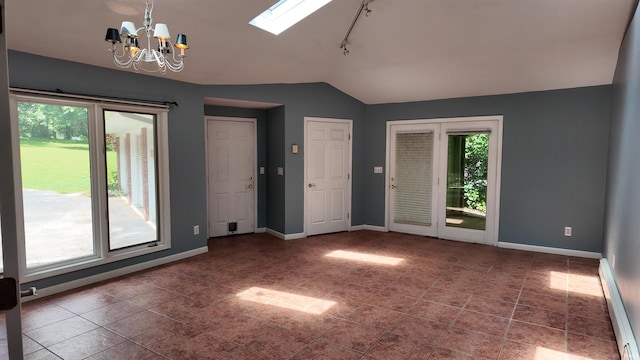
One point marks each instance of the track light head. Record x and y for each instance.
(366, 10)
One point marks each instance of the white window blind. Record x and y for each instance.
(414, 180)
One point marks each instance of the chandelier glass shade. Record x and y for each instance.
(125, 46)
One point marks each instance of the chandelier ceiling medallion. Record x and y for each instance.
(127, 52)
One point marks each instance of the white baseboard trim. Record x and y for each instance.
(261, 230)
(295, 236)
(70, 285)
(550, 250)
(368, 227)
(627, 344)
(282, 236)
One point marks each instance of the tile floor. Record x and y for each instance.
(359, 295)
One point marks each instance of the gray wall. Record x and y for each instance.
(622, 226)
(554, 161)
(275, 158)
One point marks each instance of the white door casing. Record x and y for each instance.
(441, 127)
(327, 175)
(231, 185)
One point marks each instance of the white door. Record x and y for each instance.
(444, 178)
(327, 173)
(231, 176)
(413, 179)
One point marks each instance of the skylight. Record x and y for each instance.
(286, 13)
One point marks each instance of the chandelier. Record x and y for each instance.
(128, 53)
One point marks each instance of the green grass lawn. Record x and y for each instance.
(57, 165)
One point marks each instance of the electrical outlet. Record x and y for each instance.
(196, 229)
(567, 230)
(377, 169)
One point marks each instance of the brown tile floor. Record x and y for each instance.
(380, 296)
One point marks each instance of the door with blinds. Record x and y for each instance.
(412, 179)
(444, 178)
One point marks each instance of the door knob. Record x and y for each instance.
(250, 186)
(311, 185)
(393, 186)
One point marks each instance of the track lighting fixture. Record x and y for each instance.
(364, 8)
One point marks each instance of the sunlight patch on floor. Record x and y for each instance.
(581, 284)
(454, 221)
(364, 257)
(286, 300)
(558, 280)
(543, 353)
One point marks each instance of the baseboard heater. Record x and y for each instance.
(621, 326)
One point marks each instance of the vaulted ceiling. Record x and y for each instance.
(405, 50)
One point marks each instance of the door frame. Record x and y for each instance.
(349, 184)
(493, 227)
(9, 188)
(254, 122)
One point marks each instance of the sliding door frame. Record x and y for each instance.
(101, 254)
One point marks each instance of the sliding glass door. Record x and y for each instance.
(131, 178)
(56, 182)
(443, 178)
(94, 183)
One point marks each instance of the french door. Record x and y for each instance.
(413, 179)
(444, 178)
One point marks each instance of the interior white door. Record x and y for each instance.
(413, 179)
(231, 176)
(327, 168)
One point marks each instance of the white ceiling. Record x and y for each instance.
(406, 50)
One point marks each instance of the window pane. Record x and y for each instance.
(56, 182)
(467, 161)
(414, 164)
(131, 178)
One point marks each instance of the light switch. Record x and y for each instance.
(280, 170)
(261, 170)
(377, 169)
